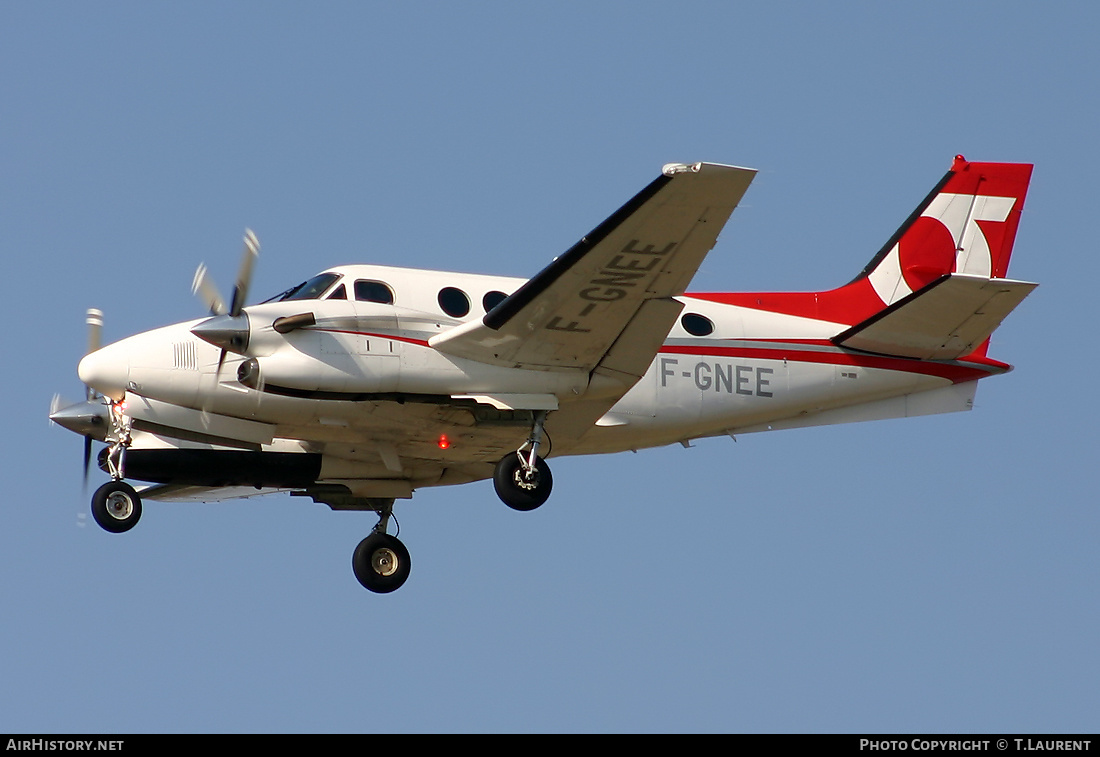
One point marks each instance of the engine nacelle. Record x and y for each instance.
(208, 467)
(355, 366)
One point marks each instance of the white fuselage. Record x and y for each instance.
(755, 371)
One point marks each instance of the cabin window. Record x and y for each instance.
(373, 291)
(492, 299)
(454, 302)
(697, 325)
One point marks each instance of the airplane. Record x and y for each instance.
(365, 383)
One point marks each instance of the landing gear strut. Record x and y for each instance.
(522, 479)
(116, 506)
(381, 562)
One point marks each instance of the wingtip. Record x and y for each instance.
(670, 169)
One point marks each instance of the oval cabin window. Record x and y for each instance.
(454, 302)
(697, 325)
(492, 299)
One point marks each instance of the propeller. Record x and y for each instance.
(88, 418)
(94, 320)
(204, 287)
(95, 339)
(227, 329)
(207, 291)
(244, 274)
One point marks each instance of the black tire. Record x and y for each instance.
(381, 563)
(517, 493)
(116, 507)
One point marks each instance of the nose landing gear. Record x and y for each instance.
(116, 506)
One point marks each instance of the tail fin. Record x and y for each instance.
(967, 225)
(940, 280)
(937, 288)
(947, 261)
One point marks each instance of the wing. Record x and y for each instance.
(607, 301)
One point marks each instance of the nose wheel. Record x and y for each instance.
(116, 507)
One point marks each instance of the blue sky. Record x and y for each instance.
(934, 574)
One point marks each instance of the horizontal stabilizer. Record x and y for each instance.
(945, 320)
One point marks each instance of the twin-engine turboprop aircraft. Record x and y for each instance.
(366, 383)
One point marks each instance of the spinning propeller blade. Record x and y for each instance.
(203, 284)
(95, 329)
(207, 291)
(87, 459)
(227, 330)
(95, 341)
(244, 274)
(86, 418)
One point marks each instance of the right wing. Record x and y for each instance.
(609, 299)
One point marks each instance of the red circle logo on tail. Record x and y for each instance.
(926, 252)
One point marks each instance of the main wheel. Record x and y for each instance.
(116, 507)
(519, 489)
(381, 563)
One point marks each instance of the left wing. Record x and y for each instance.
(608, 299)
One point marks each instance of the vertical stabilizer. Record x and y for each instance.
(966, 225)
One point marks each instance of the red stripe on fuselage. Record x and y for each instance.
(405, 339)
(976, 366)
(954, 372)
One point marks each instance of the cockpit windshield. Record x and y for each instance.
(308, 290)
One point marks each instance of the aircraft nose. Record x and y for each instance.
(106, 371)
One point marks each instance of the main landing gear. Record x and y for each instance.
(522, 479)
(381, 562)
